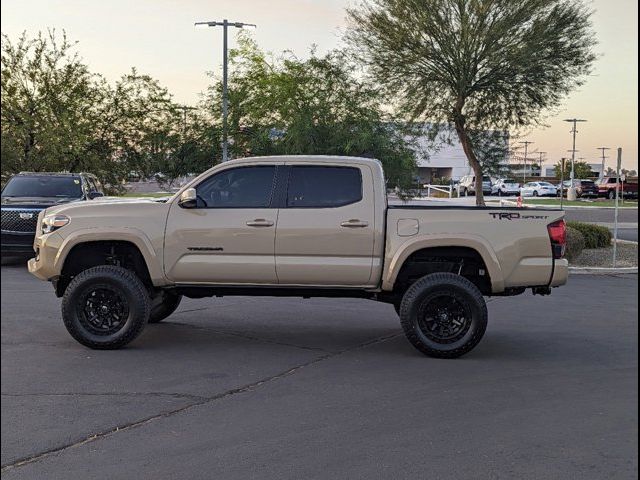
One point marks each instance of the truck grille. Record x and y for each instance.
(19, 220)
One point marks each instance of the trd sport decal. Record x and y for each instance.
(516, 216)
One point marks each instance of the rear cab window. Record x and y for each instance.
(323, 187)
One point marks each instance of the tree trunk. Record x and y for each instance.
(459, 121)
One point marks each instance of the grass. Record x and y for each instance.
(555, 202)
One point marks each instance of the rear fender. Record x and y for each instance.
(479, 244)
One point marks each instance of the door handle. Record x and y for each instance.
(260, 222)
(354, 223)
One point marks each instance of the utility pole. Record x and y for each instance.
(540, 162)
(225, 24)
(603, 159)
(572, 190)
(526, 144)
(615, 220)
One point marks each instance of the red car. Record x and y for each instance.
(607, 188)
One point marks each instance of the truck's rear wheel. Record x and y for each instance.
(164, 305)
(105, 307)
(443, 315)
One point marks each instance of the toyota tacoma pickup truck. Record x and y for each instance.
(304, 226)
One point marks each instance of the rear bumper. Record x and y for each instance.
(16, 242)
(560, 273)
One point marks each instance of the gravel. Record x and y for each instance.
(603, 257)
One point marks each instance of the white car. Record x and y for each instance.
(505, 187)
(538, 189)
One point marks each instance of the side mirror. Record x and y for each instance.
(92, 195)
(188, 198)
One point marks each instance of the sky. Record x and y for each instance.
(158, 38)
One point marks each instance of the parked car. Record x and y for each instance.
(294, 226)
(467, 186)
(607, 188)
(538, 189)
(505, 187)
(584, 188)
(26, 194)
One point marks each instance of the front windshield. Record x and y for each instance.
(43, 186)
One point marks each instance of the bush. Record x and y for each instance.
(575, 244)
(595, 236)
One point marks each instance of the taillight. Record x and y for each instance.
(558, 236)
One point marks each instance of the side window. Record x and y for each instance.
(323, 187)
(242, 187)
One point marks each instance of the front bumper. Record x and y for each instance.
(44, 264)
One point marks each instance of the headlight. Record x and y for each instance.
(53, 222)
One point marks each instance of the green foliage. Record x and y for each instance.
(595, 236)
(282, 105)
(581, 170)
(58, 116)
(479, 65)
(575, 244)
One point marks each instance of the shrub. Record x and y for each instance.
(595, 236)
(575, 244)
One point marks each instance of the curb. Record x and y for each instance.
(602, 270)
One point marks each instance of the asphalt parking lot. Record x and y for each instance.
(239, 388)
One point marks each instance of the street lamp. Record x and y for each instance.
(571, 192)
(225, 24)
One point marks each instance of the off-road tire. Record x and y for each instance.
(127, 285)
(164, 305)
(441, 285)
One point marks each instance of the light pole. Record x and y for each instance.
(571, 192)
(603, 159)
(225, 24)
(526, 144)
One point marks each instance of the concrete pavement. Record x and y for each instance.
(290, 388)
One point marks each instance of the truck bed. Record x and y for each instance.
(514, 242)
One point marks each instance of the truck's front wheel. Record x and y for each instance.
(443, 315)
(105, 307)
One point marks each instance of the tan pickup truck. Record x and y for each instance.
(293, 226)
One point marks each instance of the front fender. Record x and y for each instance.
(152, 258)
(394, 263)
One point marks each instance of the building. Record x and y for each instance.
(445, 158)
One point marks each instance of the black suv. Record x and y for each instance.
(26, 194)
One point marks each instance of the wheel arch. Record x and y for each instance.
(85, 250)
(441, 245)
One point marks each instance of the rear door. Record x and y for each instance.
(325, 233)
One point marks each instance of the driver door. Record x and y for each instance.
(229, 236)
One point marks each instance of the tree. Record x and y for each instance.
(282, 105)
(580, 170)
(58, 116)
(475, 64)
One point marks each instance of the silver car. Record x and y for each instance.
(505, 187)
